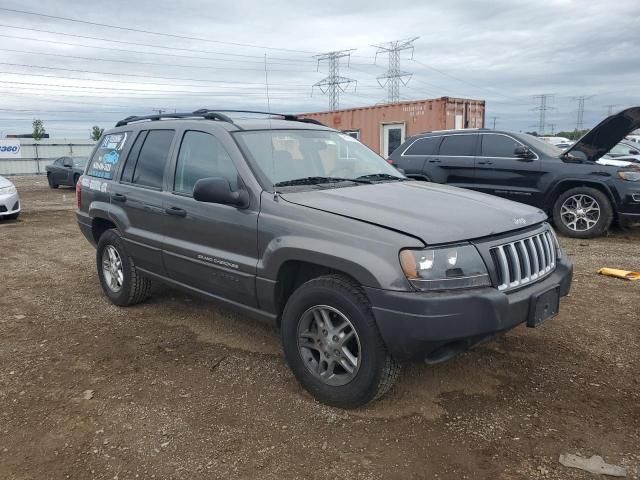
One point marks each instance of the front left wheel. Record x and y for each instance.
(120, 280)
(332, 343)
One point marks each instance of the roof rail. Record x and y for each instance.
(284, 116)
(210, 115)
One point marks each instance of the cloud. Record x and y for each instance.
(501, 51)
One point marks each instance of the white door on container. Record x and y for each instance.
(458, 121)
(392, 138)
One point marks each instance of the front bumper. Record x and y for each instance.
(437, 325)
(628, 208)
(9, 204)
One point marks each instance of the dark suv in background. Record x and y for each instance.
(303, 227)
(582, 196)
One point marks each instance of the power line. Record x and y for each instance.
(138, 44)
(543, 107)
(150, 32)
(393, 77)
(333, 83)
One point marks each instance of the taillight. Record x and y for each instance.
(79, 192)
(390, 161)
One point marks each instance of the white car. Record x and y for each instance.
(9, 200)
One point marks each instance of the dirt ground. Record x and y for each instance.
(178, 388)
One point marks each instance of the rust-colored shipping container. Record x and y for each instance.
(384, 127)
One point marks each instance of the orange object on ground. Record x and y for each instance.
(624, 274)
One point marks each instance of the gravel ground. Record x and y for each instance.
(179, 388)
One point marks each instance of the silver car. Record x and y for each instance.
(9, 200)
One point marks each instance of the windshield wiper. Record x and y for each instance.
(318, 181)
(380, 176)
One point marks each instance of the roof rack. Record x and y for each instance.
(210, 115)
(283, 116)
(213, 115)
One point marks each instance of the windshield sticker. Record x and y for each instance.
(114, 141)
(107, 156)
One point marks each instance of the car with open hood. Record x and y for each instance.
(305, 228)
(579, 188)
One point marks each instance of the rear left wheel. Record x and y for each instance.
(120, 280)
(52, 184)
(332, 343)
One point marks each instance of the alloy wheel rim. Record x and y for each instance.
(112, 268)
(580, 212)
(329, 345)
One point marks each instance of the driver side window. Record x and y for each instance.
(202, 155)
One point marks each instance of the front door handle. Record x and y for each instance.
(176, 211)
(118, 197)
(486, 162)
(434, 161)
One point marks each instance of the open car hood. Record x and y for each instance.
(432, 212)
(604, 136)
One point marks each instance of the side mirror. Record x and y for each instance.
(218, 190)
(634, 152)
(524, 153)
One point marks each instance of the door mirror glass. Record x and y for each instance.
(218, 190)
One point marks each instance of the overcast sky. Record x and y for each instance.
(502, 51)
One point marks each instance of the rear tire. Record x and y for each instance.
(52, 184)
(120, 280)
(314, 348)
(582, 212)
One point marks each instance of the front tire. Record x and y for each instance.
(332, 343)
(582, 212)
(52, 184)
(120, 280)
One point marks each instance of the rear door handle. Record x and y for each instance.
(486, 162)
(434, 161)
(178, 212)
(118, 197)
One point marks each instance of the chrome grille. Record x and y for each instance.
(524, 261)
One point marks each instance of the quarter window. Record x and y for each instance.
(201, 156)
(498, 146)
(423, 146)
(153, 156)
(458, 145)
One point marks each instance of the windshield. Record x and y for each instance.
(286, 155)
(544, 147)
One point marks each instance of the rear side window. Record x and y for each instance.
(423, 146)
(202, 155)
(106, 157)
(458, 145)
(149, 165)
(499, 146)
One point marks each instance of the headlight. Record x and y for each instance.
(10, 190)
(630, 176)
(445, 268)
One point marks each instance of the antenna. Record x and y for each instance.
(333, 83)
(266, 82)
(393, 77)
(273, 160)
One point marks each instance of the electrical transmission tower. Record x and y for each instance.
(333, 83)
(494, 121)
(610, 109)
(580, 117)
(393, 77)
(543, 107)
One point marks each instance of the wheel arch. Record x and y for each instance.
(99, 225)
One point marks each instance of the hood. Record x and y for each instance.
(431, 212)
(4, 182)
(604, 136)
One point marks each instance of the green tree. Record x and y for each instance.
(96, 133)
(38, 129)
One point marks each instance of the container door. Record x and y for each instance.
(392, 138)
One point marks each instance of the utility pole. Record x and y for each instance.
(494, 122)
(543, 107)
(333, 83)
(580, 117)
(393, 77)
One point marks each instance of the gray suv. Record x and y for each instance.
(305, 228)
